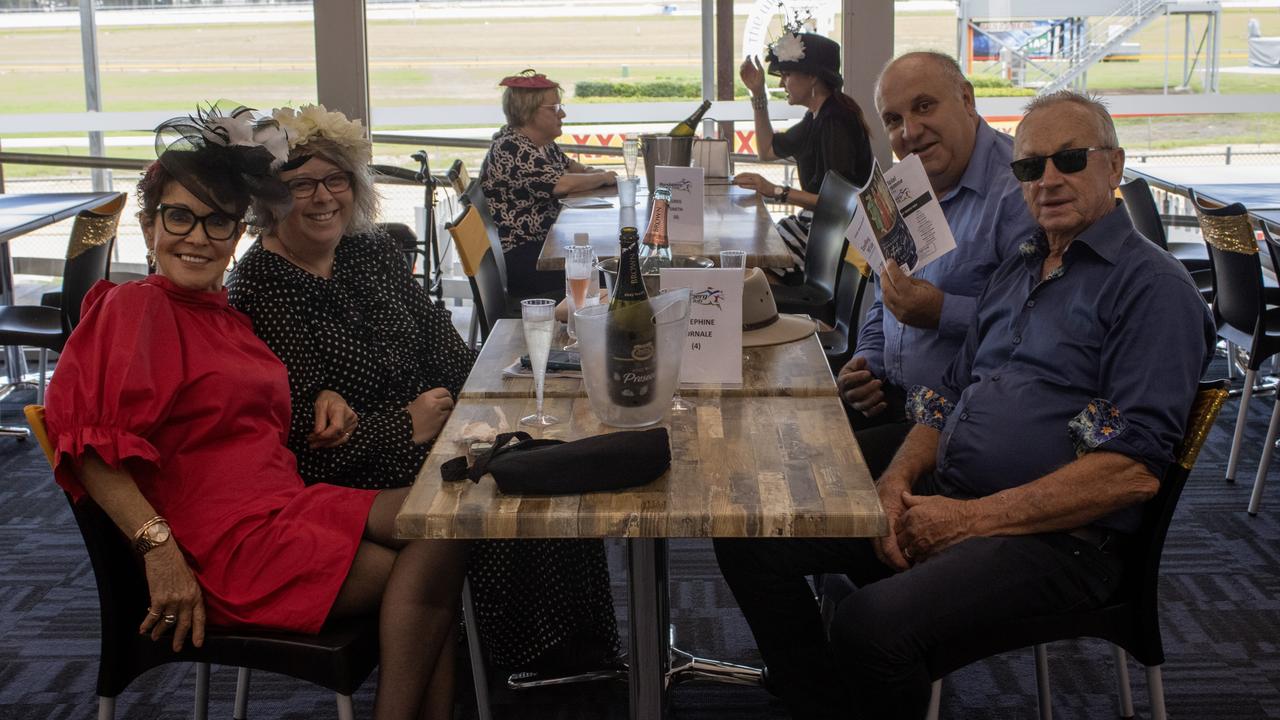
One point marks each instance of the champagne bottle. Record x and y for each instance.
(688, 126)
(656, 251)
(630, 335)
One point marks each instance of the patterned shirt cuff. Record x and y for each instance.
(927, 407)
(1098, 423)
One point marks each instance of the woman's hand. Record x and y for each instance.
(335, 421)
(429, 412)
(608, 177)
(752, 75)
(757, 182)
(176, 601)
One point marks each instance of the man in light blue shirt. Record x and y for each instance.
(916, 325)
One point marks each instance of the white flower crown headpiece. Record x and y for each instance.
(311, 121)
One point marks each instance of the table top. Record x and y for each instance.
(20, 214)
(741, 467)
(1257, 187)
(735, 219)
(796, 369)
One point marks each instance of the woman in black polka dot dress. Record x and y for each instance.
(335, 301)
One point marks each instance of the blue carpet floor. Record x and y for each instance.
(1220, 603)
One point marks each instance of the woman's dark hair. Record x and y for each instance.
(150, 189)
(849, 104)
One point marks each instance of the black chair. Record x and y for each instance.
(1273, 429)
(1240, 310)
(339, 658)
(405, 239)
(1146, 219)
(823, 254)
(88, 258)
(484, 272)
(837, 342)
(1131, 619)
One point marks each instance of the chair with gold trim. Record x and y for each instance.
(340, 657)
(480, 264)
(88, 259)
(1240, 309)
(1130, 621)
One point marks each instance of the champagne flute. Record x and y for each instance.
(539, 319)
(630, 154)
(579, 270)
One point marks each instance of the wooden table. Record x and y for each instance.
(797, 369)
(746, 466)
(735, 219)
(772, 458)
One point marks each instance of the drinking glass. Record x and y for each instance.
(630, 154)
(539, 318)
(733, 259)
(627, 191)
(582, 285)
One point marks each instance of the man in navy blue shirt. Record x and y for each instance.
(1025, 467)
(917, 323)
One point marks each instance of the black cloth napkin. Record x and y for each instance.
(551, 467)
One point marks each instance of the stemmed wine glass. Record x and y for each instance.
(582, 285)
(630, 155)
(539, 318)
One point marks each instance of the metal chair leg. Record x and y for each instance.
(346, 711)
(1042, 682)
(1234, 458)
(44, 367)
(202, 691)
(935, 700)
(1260, 480)
(1122, 681)
(242, 695)
(478, 674)
(1155, 685)
(106, 708)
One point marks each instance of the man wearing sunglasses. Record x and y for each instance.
(1023, 475)
(917, 323)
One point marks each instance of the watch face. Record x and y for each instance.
(158, 533)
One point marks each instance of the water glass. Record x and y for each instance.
(733, 259)
(630, 155)
(581, 284)
(627, 191)
(539, 318)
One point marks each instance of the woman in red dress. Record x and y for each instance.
(172, 415)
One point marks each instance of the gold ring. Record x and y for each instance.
(170, 619)
(906, 554)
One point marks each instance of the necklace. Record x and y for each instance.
(309, 267)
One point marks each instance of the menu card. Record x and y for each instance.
(713, 353)
(684, 217)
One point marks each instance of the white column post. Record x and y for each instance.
(93, 88)
(866, 36)
(342, 57)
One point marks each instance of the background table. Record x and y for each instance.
(734, 219)
(796, 369)
(1257, 187)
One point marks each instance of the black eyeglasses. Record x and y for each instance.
(1072, 160)
(303, 188)
(180, 221)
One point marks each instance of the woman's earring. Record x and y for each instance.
(151, 257)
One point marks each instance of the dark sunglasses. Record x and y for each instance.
(335, 183)
(1072, 160)
(180, 221)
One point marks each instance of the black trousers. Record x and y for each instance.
(881, 634)
(879, 437)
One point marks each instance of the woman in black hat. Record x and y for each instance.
(832, 135)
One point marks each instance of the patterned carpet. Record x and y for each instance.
(1220, 601)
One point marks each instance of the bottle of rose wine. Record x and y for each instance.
(630, 335)
(655, 250)
(689, 126)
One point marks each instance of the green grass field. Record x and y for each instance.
(460, 62)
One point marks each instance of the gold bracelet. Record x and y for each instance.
(145, 525)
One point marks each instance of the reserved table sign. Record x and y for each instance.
(713, 353)
(684, 217)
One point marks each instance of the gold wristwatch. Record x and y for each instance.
(153, 533)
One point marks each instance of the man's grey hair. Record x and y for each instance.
(1092, 103)
(947, 64)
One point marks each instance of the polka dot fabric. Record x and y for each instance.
(373, 335)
